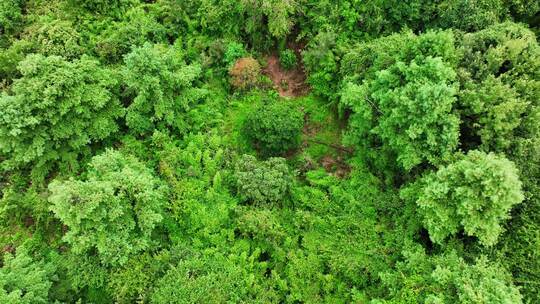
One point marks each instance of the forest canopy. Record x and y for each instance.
(270, 151)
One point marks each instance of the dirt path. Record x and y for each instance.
(288, 83)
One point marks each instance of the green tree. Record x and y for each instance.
(113, 211)
(11, 57)
(280, 15)
(162, 84)
(275, 128)
(447, 279)
(409, 108)
(263, 182)
(56, 37)
(493, 111)
(523, 8)
(24, 280)
(518, 246)
(135, 28)
(10, 15)
(321, 63)
(499, 86)
(469, 15)
(203, 278)
(259, 22)
(103, 6)
(362, 62)
(507, 50)
(58, 109)
(400, 93)
(474, 195)
(499, 104)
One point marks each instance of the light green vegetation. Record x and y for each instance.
(147, 156)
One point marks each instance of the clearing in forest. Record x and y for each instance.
(289, 83)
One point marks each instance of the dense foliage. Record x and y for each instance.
(270, 151)
(448, 279)
(263, 182)
(119, 203)
(274, 128)
(24, 280)
(57, 110)
(474, 194)
(163, 87)
(287, 59)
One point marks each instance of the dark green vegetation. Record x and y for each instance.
(146, 155)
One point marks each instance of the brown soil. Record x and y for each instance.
(8, 248)
(335, 166)
(28, 221)
(288, 83)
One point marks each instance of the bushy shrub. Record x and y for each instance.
(287, 59)
(263, 181)
(56, 38)
(24, 280)
(245, 73)
(203, 278)
(10, 16)
(134, 280)
(447, 278)
(199, 172)
(275, 128)
(233, 52)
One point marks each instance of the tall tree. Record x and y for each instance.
(113, 211)
(401, 91)
(409, 108)
(162, 84)
(58, 109)
(474, 195)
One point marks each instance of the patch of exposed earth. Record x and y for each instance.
(289, 83)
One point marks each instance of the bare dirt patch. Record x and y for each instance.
(335, 166)
(289, 83)
(8, 248)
